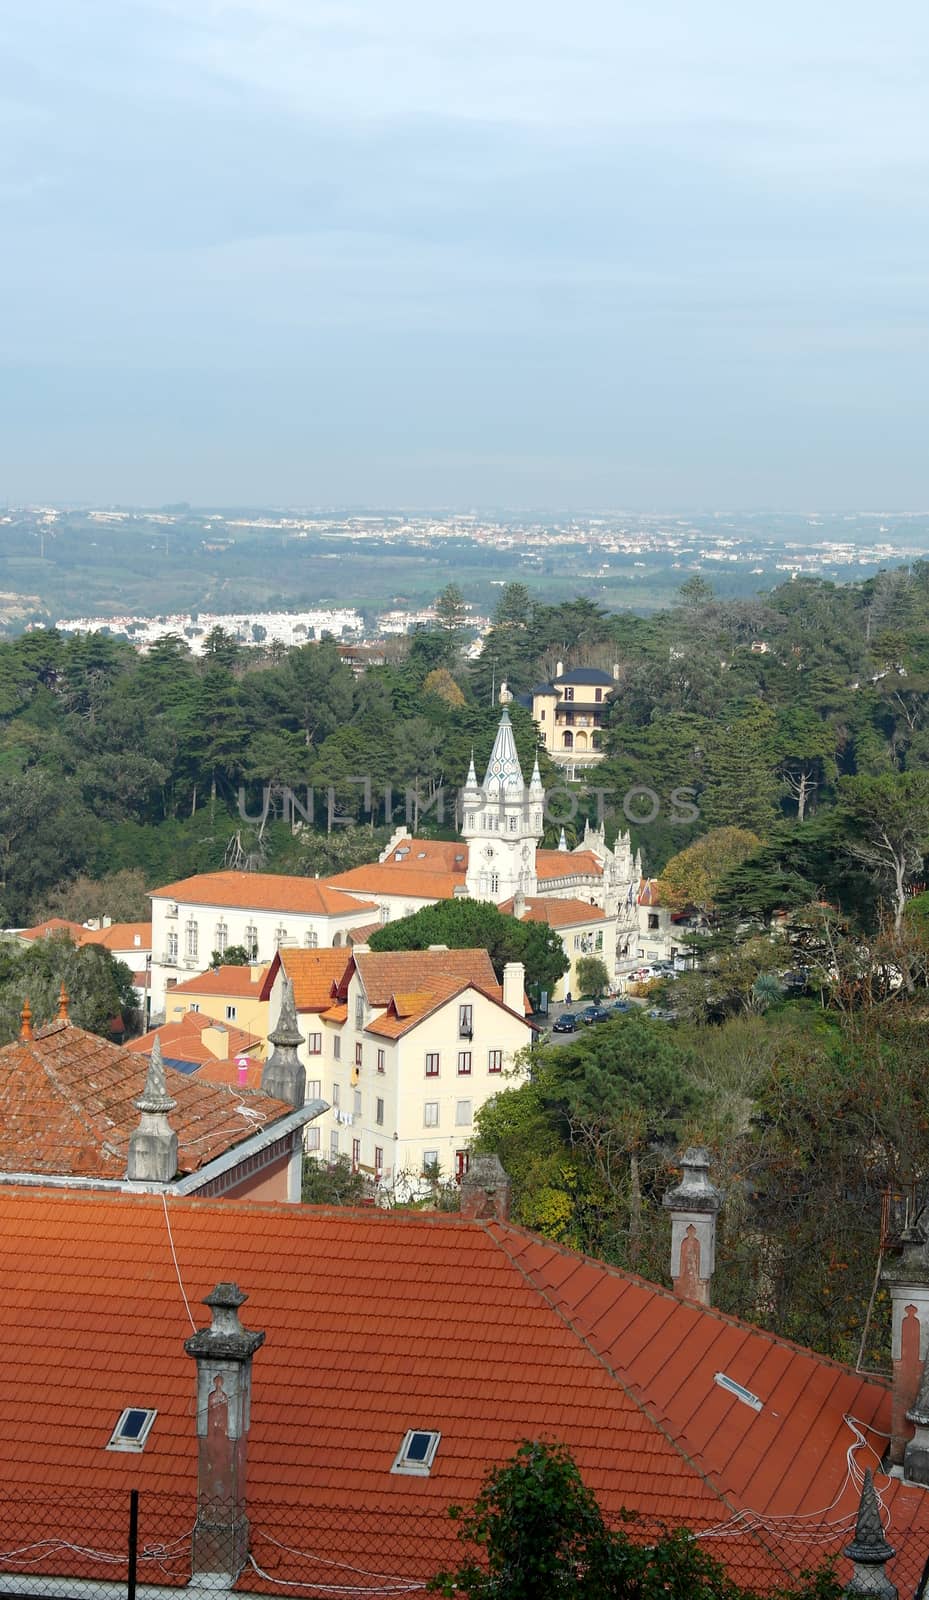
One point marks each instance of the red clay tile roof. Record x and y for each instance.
(384, 973)
(557, 913)
(314, 974)
(263, 891)
(183, 1039)
(451, 855)
(407, 1009)
(66, 1107)
(236, 983)
(417, 880)
(52, 928)
(120, 936)
(567, 864)
(378, 1322)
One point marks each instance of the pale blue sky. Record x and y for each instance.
(652, 254)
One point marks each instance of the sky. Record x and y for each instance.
(618, 254)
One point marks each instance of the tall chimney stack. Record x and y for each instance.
(223, 1353)
(514, 987)
(907, 1277)
(693, 1205)
(485, 1190)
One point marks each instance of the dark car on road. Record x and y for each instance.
(566, 1023)
(620, 1006)
(594, 1014)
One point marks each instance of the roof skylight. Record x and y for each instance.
(417, 1452)
(740, 1392)
(132, 1429)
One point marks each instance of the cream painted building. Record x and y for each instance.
(409, 1046)
(261, 911)
(570, 713)
(230, 995)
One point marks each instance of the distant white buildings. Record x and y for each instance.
(248, 627)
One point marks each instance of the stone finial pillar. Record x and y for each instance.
(907, 1277)
(693, 1205)
(63, 1003)
(869, 1551)
(916, 1453)
(485, 1190)
(223, 1353)
(282, 1075)
(25, 1023)
(153, 1145)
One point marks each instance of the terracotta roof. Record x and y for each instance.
(227, 1072)
(120, 936)
(362, 935)
(236, 982)
(263, 891)
(183, 1040)
(557, 913)
(406, 1010)
(649, 892)
(567, 864)
(379, 1322)
(418, 855)
(66, 1107)
(388, 972)
(416, 880)
(54, 926)
(314, 974)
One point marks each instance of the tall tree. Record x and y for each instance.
(887, 821)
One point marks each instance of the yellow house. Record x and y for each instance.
(569, 713)
(226, 994)
(584, 930)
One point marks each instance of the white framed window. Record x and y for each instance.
(494, 882)
(334, 1145)
(311, 1138)
(378, 1160)
(381, 1060)
(464, 1063)
(337, 1047)
(230, 1013)
(171, 952)
(132, 1429)
(379, 1113)
(359, 1011)
(495, 1061)
(356, 1154)
(221, 937)
(356, 1102)
(336, 1095)
(280, 934)
(432, 1064)
(251, 941)
(314, 1044)
(314, 1089)
(195, 1005)
(191, 940)
(417, 1453)
(431, 1114)
(311, 940)
(463, 1117)
(430, 1161)
(465, 1022)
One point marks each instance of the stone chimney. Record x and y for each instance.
(559, 668)
(223, 1353)
(514, 987)
(907, 1277)
(869, 1551)
(693, 1205)
(153, 1145)
(282, 1075)
(485, 1190)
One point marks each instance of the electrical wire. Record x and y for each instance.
(180, 1281)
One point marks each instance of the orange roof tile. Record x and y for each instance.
(66, 1107)
(52, 928)
(451, 855)
(481, 1332)
(263, 891)
(557, 913)
(385, 972)
(240, 983)
(182, 1040)
(416, 880)
(567, 864)
(120, 936)
(314, 974)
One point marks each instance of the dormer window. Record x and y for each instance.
(417, 1453)
(132, 1429)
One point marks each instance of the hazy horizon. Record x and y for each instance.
(306, 253)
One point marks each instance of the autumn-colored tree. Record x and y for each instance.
(692, 877)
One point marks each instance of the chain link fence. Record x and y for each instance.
(80, 1545)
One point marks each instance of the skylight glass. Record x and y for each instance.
(132, 1429)
(738, 1389)
(417, 1452)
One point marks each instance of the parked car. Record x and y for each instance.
(662, 1014)
(594, 1014)
(566, 1023)
(622, 1005)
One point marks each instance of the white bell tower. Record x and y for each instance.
(502, 823)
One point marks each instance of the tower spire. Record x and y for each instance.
(283, 1075)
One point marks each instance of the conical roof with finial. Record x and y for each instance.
(536, 786)
(504, 775)
(155, 1096)
(471, 780)
(869, 1547)
(286, 1032)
